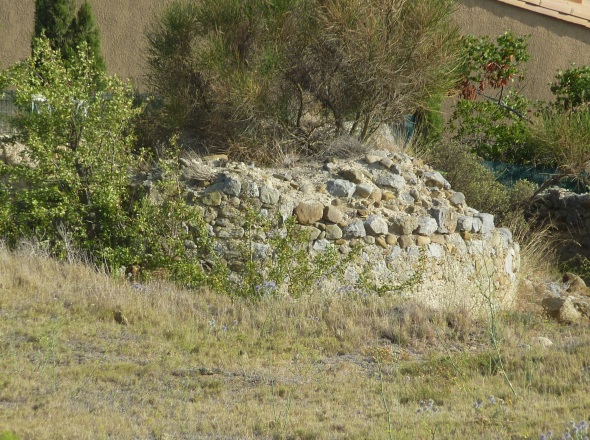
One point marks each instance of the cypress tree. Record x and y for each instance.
(54, 18)
(66, 31)
(83, 29)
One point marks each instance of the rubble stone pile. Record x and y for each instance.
(403, 215)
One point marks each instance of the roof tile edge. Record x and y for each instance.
(576, 14)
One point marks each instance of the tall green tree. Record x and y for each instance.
(66, 30)
(53, 19)
(83, 29)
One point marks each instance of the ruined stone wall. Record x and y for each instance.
(403, 215)
(569, 213)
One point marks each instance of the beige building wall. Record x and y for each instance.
(122, 24)
(554, 43)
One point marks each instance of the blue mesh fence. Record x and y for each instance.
(509, 174)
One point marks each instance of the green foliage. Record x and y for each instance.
(495, 132)
(572, 87)
(489, 64)
(53, 19)
(242, 75)
(286, 267)
(466, 174)
(562, 139)
(8, 435)
(580, 265)
(429, 121)
(162, 223)
(494, 127)
(82, 30)
(67, 31)
(71, 182)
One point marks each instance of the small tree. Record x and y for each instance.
(491, 115)
(72, 178)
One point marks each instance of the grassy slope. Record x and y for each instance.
(201, 365)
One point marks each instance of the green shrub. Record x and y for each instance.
(242, 76)
(70, 185)
(491, 117)
(82, 30)
(562, 140)
(466, 174)
(572, 87)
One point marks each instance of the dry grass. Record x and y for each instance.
(186, 364)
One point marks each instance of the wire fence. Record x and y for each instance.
(7, 110)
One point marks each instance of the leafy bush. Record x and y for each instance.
(572, 87)
(242, 76)
(490, 117)
(73, 174)
(494, 132)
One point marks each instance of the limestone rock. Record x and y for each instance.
(232, 186)
(576, 285)
(212, 199)
(309, 212)
(313, 232)
(355, 176)
(250, 189)
(363, 190)
(403, 224)
(371, 158)
(376, 225)
(561, 309)
(426, 225)
(355, 230)
(269, 196)
(391, 239)
(376, 195)
(487, 222)
(422, 240)
(446, 219)
(405, 241)
(458, 199)
(583, 306)
(543, 342)
(340, 188)
(390, 180)
(436, 179)
(333, 232)
(332, 214)
(386, 162)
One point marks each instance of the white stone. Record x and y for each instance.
(376, 225)
(426, 225)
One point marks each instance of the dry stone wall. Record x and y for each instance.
(403, 215)
(569, 213)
